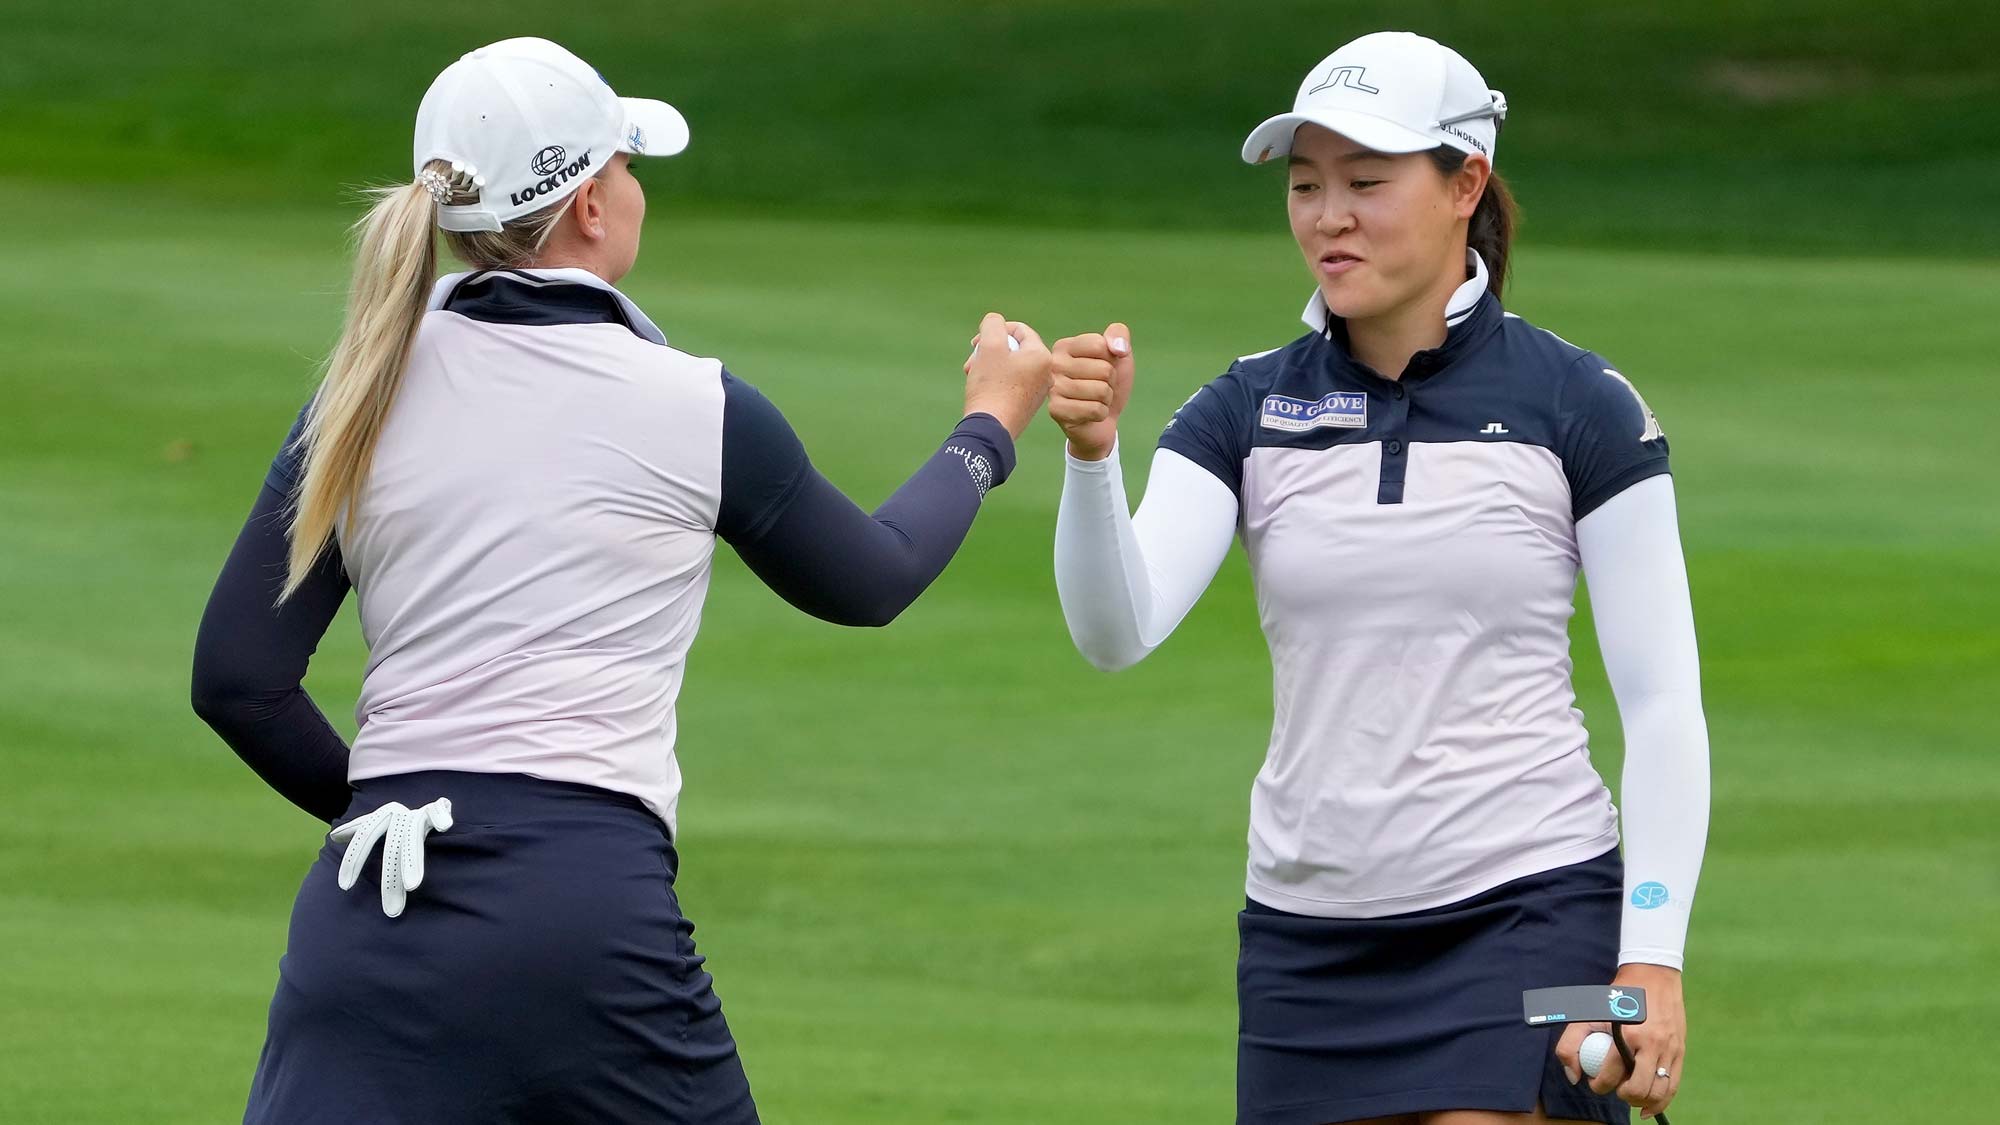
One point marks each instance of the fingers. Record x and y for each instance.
(415, 827)
(1104, 356)
(1114, 342)
(1027, 336)
(361, 836)
(1120, 338)
(1090, 345)
(1666, 1088)
(1653, 1051)
(1081, 392)
(435, 816)
(1614, 1071)
(1091, 377)
(1076, 412)
(346, 832)
(993, 332)
(1658, 1044)
(1568, 1047)
(396, 847)
(1096, 370)
(1013, 336)
(1085, 390)
(1637, 1088)
(394, 897)
(401, 831)
(1639, 1083)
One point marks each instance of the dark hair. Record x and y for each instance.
(1491, 232)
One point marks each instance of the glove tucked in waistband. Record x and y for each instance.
(402, 831)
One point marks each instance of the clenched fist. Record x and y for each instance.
(1093, 382)
(1007, 375)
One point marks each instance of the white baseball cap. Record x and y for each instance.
(530, 122)
(1392, 91)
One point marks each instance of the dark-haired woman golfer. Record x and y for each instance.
(1418, 481)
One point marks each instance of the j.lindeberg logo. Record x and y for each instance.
(547, 160)
(1468, 138)
(555, 176)
(1348, 76)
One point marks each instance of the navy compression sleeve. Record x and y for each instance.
(250, 660)
(814, 546)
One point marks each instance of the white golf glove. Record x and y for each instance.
(402, 830)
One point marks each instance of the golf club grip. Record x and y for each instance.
(1631, 1064)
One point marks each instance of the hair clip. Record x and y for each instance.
(435, 183)
(461, 182)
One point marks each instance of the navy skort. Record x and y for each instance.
(542, 973)
(1350, 1018)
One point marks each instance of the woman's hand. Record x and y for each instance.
(1007, 380)
(1093, 382)
(1658, 1044)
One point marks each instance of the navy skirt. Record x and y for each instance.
(1349, 1018)
(542, 973)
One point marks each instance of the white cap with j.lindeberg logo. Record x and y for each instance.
(1392, 91)
(529, 121)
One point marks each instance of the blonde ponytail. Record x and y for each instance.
(395, 259)
(394, 264)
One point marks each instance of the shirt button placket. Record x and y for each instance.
(1395, 450)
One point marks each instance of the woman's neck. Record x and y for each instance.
(563, 254)
(1386, 341)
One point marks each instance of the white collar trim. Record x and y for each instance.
(1463, 299)
(641, 323)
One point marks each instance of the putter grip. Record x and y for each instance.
(1631, 1064)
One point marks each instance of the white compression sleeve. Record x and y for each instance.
(1632, 559)
(1127, 580)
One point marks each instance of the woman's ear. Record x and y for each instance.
(1468, 184)
(588, 210)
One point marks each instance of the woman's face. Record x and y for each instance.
(1378, 231)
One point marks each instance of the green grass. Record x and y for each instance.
(945, 872)
(1842, 125)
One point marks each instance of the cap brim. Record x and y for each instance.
(1274, 137)
(652, 128)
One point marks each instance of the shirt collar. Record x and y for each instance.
(1463, 301)
(641, 324)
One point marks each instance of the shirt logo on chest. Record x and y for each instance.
(1347, 410)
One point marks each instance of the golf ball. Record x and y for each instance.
(1013, 345)
(1596, 1045)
